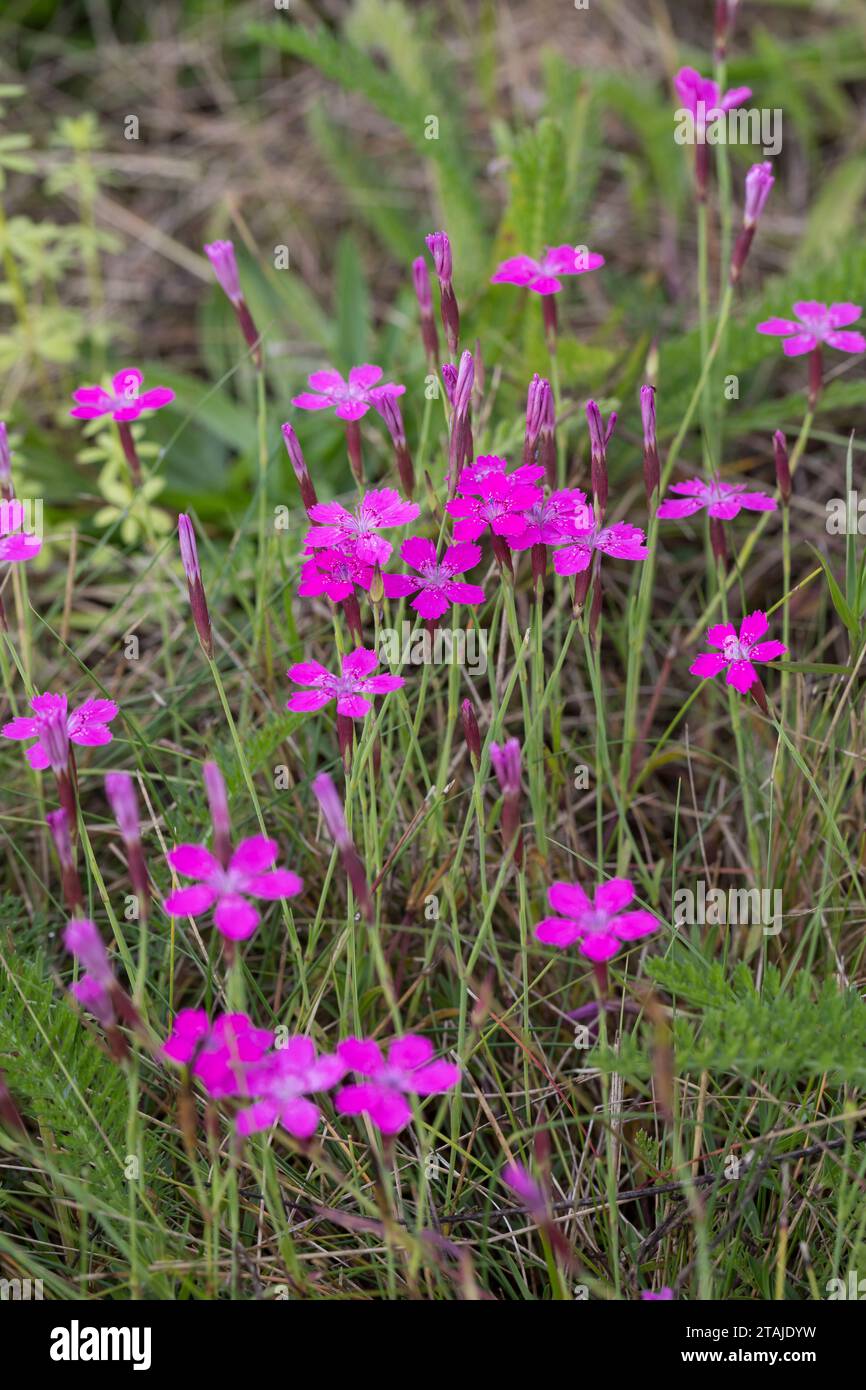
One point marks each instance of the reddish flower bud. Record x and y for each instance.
(783, 471)
(299, 466)
(651, 469)
(471, 732)
(197, 600)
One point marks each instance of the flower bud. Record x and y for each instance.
(783, 470)
(299, 466)
(197, 599)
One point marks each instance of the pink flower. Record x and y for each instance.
(335, 573)
(542, 277)
(125, 402)
(355, 532)
(759, 182)
(499, 502)
(521, 1181)
(621, 541)
(350, 690)
(553, 520)
(816, 323)
(87, 725)
(491, 465)
(437, 584)
(249, 873)
(16, 544)
(600, 926)
(282, 1081)
(350, 399)
(218, 1055)
(408, 1070)
(221, 255)
(664, 1294)
(700, 96)
(96, 986)
(722, 500)
(736, 654)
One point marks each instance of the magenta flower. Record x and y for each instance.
(355, 532)
(248, 874)
(16, 544)
(491, 465)
(722, 500)
(350, 689)
(282, 1081)
(621, 541)
(521, 1181)
(700, 96)
(498, 502)
(553, 520)
(816, 323)
(124, 402)
(436, 581)
(87, 725)
(218, 1055)
(335, 573)
(663, 1296)
(542, 277)
(408, 1070)
(350, 399)
(737, 653)
(95, 988)
(601, 926)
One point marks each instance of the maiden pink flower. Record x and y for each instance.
(492, 465)
(124, 402)
(349, 399)
(663, 1296)
(601, 926)
(335, 573)
(516, 1176)
(95, 988)
(355, 532)
(722, 500)
(543, 276)
(621, 541)
(87, 725)
(436, 581)
(700, 97)
(407, 1071)
(816, 323)
(736, 654)
(552, 520)
(351, 689)
(497, 501)
(218, 1055)
(16, 543)
(248, 874)
(282, 1081)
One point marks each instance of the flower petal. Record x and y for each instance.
(558, 931)
(235, 917)
(568, 898)
(193, 861)
(614, 895)
(254, 855)
(190, 902)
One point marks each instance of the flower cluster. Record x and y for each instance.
(232, 1058)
